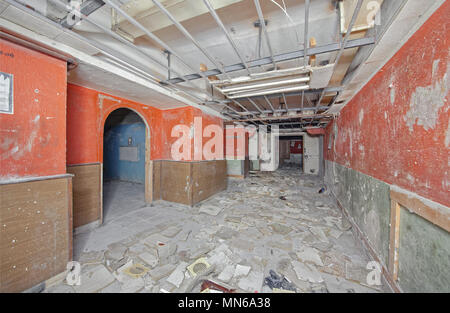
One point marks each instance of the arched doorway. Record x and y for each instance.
(125, 161)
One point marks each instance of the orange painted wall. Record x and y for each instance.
(86, 116)
(379, 131)
(32, 140)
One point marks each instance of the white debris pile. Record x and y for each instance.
(271, 232)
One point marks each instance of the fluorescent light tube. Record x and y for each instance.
(268, 84)
(268, 92)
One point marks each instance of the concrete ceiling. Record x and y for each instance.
(98, 70)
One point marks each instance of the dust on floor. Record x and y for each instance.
(272, 232)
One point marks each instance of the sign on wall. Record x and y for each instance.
(129, 154)
(6, 93)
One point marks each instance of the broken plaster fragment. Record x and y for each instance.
(306, 273)
(177, 276)
(241, 270)
(308, 254)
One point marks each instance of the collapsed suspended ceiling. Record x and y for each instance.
(243, 60)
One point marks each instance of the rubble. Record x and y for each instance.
(251, 237)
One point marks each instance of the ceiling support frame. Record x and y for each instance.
(153, 37)
(355, 43)
(269, 103)
(306, 41)
(262, 23)
(219, 22)
(119, 38)
(344, 41)
(156, 39)
(189, 36)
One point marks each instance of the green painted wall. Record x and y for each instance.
(424, 251)
(424, 255)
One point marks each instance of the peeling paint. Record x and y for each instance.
(447, 136)
(425, 104)
(392, 94)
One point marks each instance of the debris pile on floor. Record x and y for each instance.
(271, 232)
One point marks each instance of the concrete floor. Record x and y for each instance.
(270, 221)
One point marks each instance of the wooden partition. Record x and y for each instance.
(188, 182)
(87, 193)
(35, 232)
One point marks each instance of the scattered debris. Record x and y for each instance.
(210, 210)
(211, 286)
(230, 243)
(149, 258)
(136, 270)
(200, 265)
(241, 270)
(227, 274)
(307, 272)
(278, 282)
(177, 276)
(252, 283)
(161, 271)
(308, 254)
(94, 280)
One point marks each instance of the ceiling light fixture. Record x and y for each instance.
(268, 84)
(268, 92)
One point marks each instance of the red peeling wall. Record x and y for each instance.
(87, 113)
(396, 128)
(32, 139)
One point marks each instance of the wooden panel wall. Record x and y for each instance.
(176, 182)
(188, 182)
(209, 178)
(156, 179)
(36, 232)
(87, 194)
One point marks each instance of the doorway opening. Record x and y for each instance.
(125, 159)
(291, 152)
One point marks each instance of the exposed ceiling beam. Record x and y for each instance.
(262, 24)
(344, 41)
(190, 37)
(287, 117)
(86, 8)
(306, 40)
(355, 43)
(225, 31)
(389, 10)
(296, 93)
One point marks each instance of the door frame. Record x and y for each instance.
(148, 186)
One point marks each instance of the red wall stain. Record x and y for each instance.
(87, 115)
(32, 140)
(373, 135)
(296, 147)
